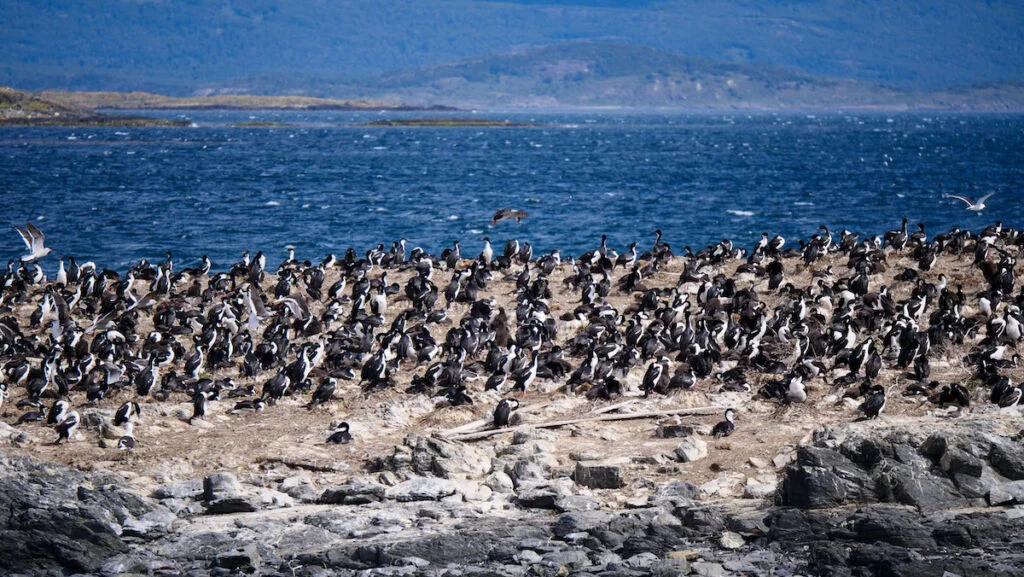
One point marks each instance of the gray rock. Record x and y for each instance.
(189, 489)
(641, 560)
(353, 493)
(433, 456)
(1007, 459)
(691, 449)
(58, 520)
(670, 568)
(577, 503)
(707, 569)
(823, 478)
(305, 492)
(572, 560)
(525, 470)
(670, 430)
(958, 461)
(540, 496)
(730, 540)
(236, 504)
(421, 489)
(220, 485)
(1007, 493)
(242, 560)
(599, 475)
(580, 522)
(154, 523)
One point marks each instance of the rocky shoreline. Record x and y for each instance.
(944, 497)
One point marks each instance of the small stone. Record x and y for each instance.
(757, 463)
(687, 554)
(499, 482)
(691, 449)
(755, 489)
(724, 485)
(671, 429)
(782, 459)
(585, 456)
(730, 540)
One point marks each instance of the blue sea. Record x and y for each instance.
(325, 183)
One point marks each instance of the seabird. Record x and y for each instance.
(874, 404)
(502, 412)
(341, 436)
(67, 427)
(504, 213)
(972, 205)
(33, 238)
(726, 427)
(127, 442)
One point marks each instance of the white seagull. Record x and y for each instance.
(975, 205)
(33, 238)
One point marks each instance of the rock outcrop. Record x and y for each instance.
(933, 498)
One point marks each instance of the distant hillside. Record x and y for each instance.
(172, 47)
(612, 74)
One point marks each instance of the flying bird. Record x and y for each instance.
(33, 238)
(504, 213)
(975, 205)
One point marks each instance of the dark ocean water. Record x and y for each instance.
(118, 195)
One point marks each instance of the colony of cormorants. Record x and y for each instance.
(725, 319)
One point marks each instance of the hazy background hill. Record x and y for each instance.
(404, 46)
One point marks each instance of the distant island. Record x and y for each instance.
(481, 122)
(149, 101)
(19, 108)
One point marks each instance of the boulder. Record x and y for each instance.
(599, 474)
(421, 489)
(691, 449)
(353, 493)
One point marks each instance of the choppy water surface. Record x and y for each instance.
(326, 183)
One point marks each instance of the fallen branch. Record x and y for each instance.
(477, 426)
(624, 417)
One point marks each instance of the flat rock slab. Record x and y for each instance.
(422, 489)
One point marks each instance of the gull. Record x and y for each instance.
(33, 238)
(504, 213)
(975, 205)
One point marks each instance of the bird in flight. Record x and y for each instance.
(504, 213)
(975, 205)
(33, 238)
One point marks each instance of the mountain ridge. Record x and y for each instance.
(174, 47)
